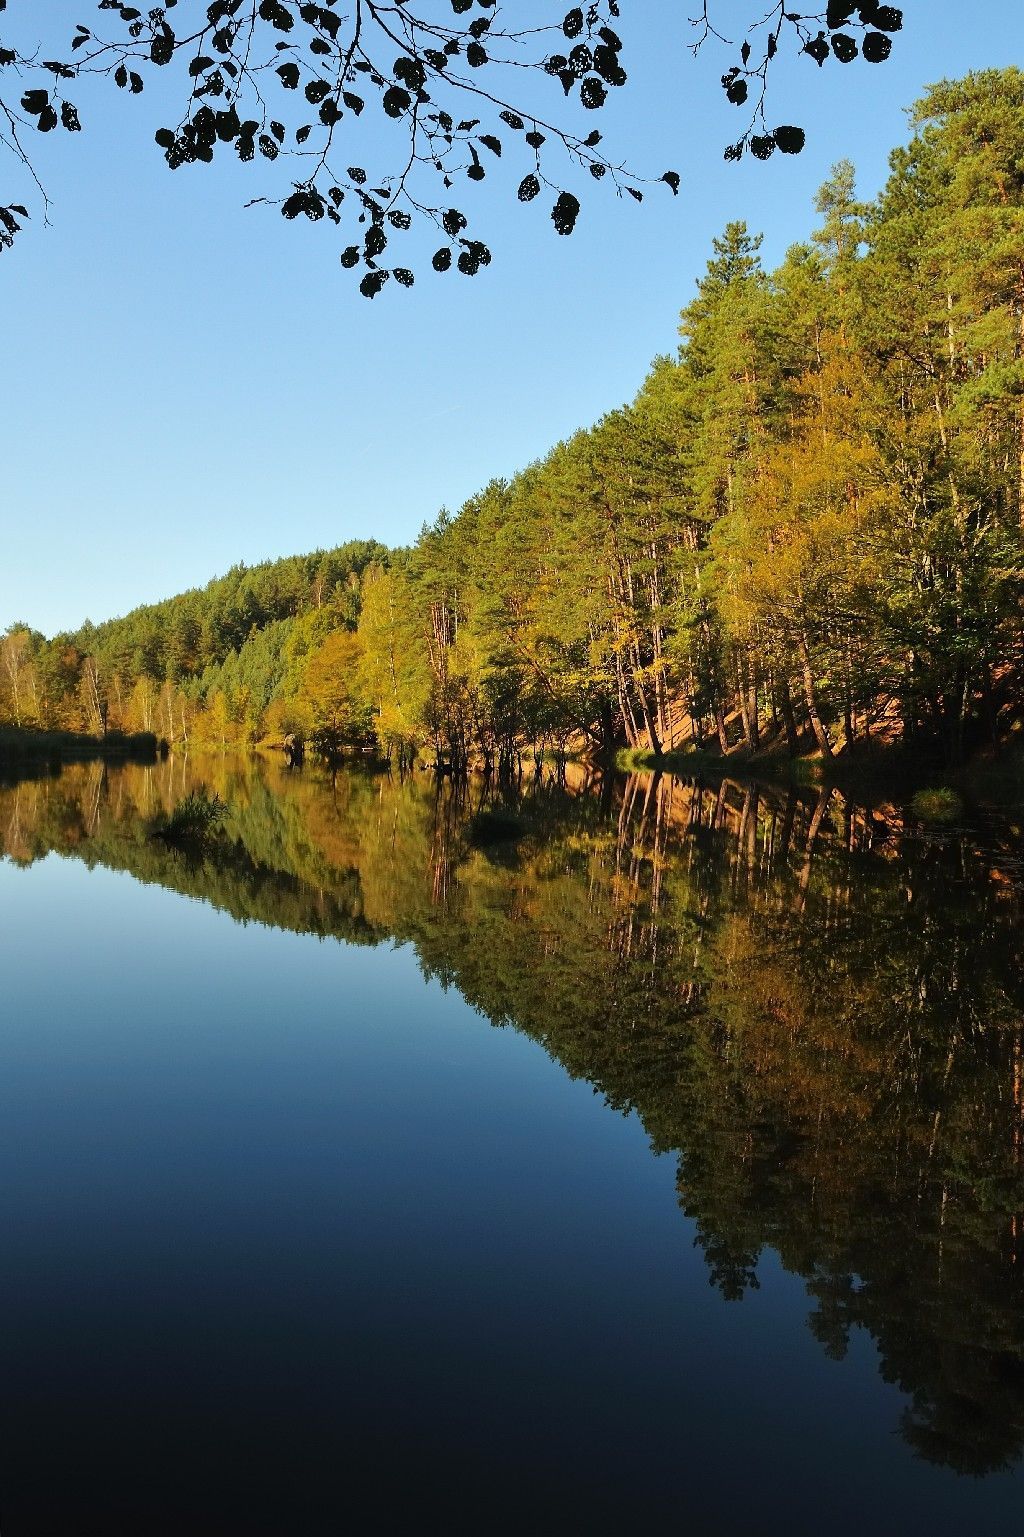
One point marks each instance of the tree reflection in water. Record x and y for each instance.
(817, 1006)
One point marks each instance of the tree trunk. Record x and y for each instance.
(810, 699)
(606, 719)
(649, 719)
(741, 693)
(751, 684)
(991, 712)
(786, 705)
(723, 738)
(848, 721)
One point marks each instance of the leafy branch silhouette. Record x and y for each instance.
(291, 80)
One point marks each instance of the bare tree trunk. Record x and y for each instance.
(649, 718)
(723, 738)
(848, 695)
(628, 719)
(817, 724)
(788, 716)
(741, 693)
(749, 685)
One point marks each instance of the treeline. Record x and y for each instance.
(804, 533)
(208, 663)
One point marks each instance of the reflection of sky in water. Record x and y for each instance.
(287, 1230)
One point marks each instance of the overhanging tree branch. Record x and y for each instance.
(290, 80)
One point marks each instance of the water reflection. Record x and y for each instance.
(816, 1007)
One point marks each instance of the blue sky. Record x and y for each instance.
(188, 383)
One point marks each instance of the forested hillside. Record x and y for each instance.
(210, 662)
(806, 529)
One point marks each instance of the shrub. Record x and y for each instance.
(193, 819)
(937, 805)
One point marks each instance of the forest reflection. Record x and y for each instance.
(816, 1007)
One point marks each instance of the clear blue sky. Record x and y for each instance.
(187, 383)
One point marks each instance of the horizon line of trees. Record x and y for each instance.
(805, 531)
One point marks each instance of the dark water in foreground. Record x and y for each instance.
(721, 1232)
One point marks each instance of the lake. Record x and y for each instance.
(598, 1156)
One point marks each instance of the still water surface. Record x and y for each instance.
(650, 1162)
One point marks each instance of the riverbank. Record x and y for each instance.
(26, 748)
(890, 772)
